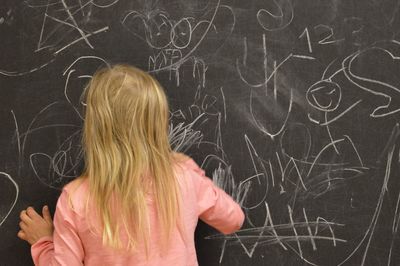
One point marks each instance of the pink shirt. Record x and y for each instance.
(74, 244)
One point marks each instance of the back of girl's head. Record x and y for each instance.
(125, 104)
(127, 152)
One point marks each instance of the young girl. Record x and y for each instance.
(137, 203)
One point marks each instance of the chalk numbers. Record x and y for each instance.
(322, 34)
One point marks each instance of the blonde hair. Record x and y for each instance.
(128, 155)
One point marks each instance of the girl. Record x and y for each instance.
(137, 202)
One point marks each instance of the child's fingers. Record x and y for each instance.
(23, 226)
(32, 213)
(21, 234)
(46, 214)
(24, 217)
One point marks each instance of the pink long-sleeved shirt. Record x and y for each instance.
(73, 243)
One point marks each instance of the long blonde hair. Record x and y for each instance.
(128, 154)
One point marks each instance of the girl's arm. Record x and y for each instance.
(215, 206)
(65, 246)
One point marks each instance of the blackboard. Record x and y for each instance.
(291, 106)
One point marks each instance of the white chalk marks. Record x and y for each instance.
(262, 96)
(277, 17)
(6, 180)
(284, 235)
(373, 85)
(64, 23)
(77, 76)
(53, 170)
(173, 42)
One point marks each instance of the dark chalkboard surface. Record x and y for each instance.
(291, 106)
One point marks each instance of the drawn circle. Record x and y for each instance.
(181, 33)
(278, 20)
(324, 95)
(158, 28)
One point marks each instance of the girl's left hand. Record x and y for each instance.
(34, 226)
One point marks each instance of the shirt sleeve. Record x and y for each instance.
(65, 247)
(215, 206)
